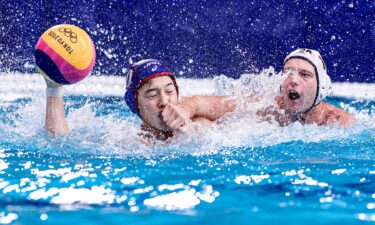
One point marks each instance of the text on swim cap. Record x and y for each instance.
(152, 63)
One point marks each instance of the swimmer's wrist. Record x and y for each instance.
(53, 91)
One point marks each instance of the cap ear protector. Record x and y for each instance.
(138, 74)
(313, 57)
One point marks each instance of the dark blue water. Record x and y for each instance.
(294, 175)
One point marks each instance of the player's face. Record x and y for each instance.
(300, 86)
(152, 98)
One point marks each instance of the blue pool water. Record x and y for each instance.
(237, 172)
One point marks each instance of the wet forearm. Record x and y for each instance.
(55, 123)
(210, 107)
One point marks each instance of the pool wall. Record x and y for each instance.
(198, 38)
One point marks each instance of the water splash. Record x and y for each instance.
(101, 126)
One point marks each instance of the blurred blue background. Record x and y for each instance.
(200, 38)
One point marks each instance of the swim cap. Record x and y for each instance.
(323, 80)
(138, 74)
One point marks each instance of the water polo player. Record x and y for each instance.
(64, 54)
(301, 99)
(152, 93)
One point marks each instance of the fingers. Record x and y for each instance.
(167, 112)
(172, 119)
(175, 117)
(176, 124)
(180, 124)
(184, 127)
(171, 115)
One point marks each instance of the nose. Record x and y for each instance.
(164, 100)
(293, 79)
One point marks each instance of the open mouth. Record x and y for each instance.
(293, 95)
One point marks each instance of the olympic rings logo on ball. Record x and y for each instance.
(70, 34)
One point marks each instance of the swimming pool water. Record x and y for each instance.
(243, 174)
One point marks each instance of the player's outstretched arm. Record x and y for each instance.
(55, 123)
(210, 107)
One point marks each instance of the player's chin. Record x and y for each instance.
(292, 104)
(293, 107)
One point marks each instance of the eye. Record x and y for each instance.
(305, 73)
(169, 91)
(151, 94)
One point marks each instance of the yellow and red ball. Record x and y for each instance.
(65, 54)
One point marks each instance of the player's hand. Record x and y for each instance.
(176, 117)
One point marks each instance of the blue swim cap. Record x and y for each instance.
(138, 74)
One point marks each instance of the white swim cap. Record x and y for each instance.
(324, 81)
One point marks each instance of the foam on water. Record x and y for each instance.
(240, 167)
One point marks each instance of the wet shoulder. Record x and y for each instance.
(331, 115)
